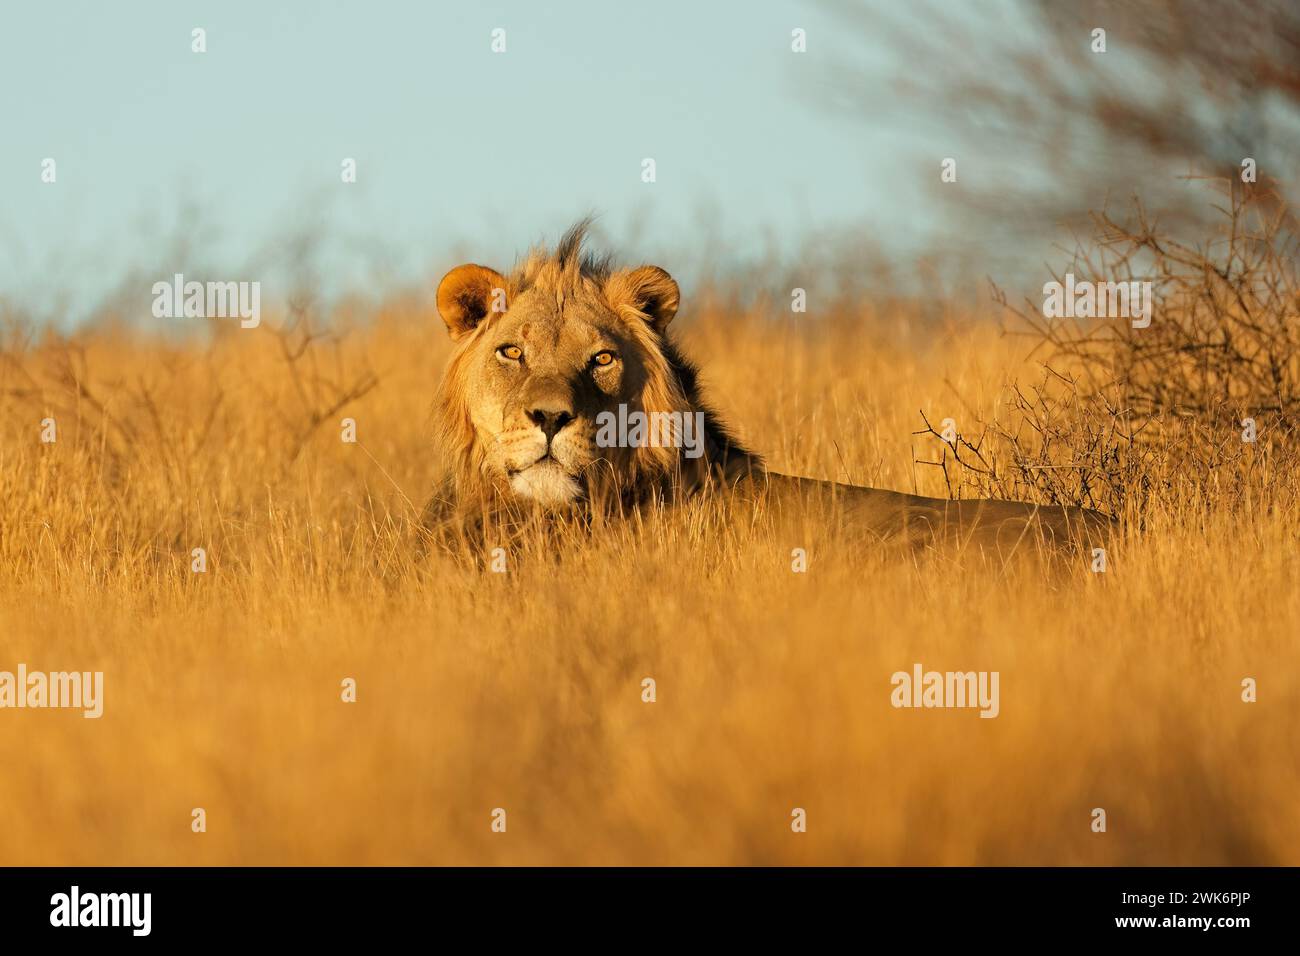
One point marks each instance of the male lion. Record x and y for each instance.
(549, 356)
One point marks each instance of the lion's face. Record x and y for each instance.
(540, 357)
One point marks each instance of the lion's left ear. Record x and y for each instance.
(649, 291)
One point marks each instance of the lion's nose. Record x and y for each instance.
(550, 420)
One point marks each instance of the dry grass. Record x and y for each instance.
(523, 690)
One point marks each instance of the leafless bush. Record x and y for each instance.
(1206, 393)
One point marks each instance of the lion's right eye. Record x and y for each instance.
(512, 352)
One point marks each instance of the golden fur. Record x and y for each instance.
(544, 352)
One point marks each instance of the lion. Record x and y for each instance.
(554, 360)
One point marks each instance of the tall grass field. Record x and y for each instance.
(226, 688)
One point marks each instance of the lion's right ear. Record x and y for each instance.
(467, 294)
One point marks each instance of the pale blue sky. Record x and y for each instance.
(461, 153)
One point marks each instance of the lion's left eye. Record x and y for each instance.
(603, 358)
(512, 352)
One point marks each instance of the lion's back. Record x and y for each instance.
(987, 524)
